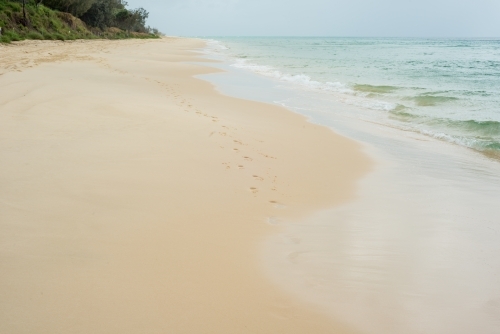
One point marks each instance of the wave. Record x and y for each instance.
(375, 89)
(485, 129)
(301, 79)
(479, 135)
(483, 136)
(215, 45)
(306, 82)
(402, 113)
(427, 100)
(481, 145)
(353, 95)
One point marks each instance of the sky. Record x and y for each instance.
(379, 18)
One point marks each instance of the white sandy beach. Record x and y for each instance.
(134, 196)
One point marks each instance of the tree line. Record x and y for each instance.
(102, 14)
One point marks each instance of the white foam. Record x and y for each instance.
(458, 140)
(339, 92)
(345, 93)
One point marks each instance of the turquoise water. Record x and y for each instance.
(445, 88)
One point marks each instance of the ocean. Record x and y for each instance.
(444, 88)
(418, 249)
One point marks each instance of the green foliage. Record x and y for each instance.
(113, 13)
(13, 36)
(59, 36)
(10, 6)
(34, 35)
(132, 20)
(74, 7)
(46, 23)
(102, 13)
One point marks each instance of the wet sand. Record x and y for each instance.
(134, 197)
(417, 251)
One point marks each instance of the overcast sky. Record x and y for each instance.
(398, 18)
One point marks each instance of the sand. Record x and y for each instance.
(134, 197)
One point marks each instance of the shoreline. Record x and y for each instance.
(135, 195)
(378, 262)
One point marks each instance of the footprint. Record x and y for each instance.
(267, 156)
(238, 142)
(257, 177)
(254, 190)
(236, 150)
(248, 158)
(222, 134)
(241, 167)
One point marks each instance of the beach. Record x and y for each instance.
(417, 250)
(136, 197)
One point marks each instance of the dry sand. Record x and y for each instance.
(133, 197)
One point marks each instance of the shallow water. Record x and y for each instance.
(417, 252)
(445, 88)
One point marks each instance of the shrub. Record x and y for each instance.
(48, 36)
(59, 37)
(12, 36)
(5, 39)
(35, 35)
(75, 7)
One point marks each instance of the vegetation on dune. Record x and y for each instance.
(74, 7)
(71, 19)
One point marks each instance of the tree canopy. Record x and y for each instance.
(75, 7)
(103, 14)
(71, 19)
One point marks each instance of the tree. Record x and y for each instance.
(133, 20)
(25, 16)
(112, 13)
(102, 13)
(75, 7)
